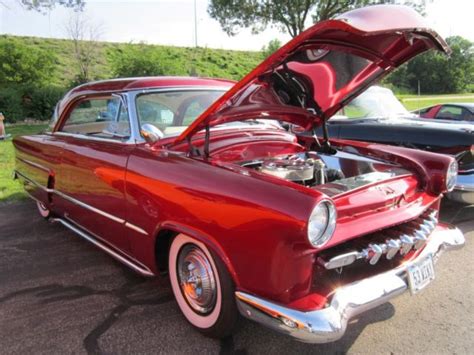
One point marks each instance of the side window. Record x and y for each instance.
(450, 113)
(102, 118)
(424, 110)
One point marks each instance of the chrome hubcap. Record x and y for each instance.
(196, 279)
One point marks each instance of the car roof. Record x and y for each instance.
(151, 82)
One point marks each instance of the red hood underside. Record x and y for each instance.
(318, 72)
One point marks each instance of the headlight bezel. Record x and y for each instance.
(324, 234)
(451, 176)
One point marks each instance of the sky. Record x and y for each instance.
(171, 22)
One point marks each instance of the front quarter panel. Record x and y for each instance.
(229, 211)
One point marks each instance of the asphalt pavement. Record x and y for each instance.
(61, 295)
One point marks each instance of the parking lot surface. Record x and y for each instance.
(59, 294)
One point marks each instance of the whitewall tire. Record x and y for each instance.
(43, 210)
(202, 287)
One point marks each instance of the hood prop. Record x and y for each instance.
(206, 141)
(193, 151)
(326, 146)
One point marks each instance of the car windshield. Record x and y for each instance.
(376, 102)
(173, 111)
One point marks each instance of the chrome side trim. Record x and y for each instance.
(89, 207)
(128, 261)
(83, 205)
(330, 323)
(95, 139)
(37, 184)
(136, 228)
(36, 165)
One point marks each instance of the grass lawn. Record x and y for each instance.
(414, 102)
(11, 190)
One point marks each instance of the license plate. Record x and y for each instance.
(421, 274)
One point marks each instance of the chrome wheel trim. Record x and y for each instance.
(196, 279)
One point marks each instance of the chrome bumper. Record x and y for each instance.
(464, 190)
(329, 324)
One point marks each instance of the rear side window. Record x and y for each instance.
(450, 113)
(101, 118)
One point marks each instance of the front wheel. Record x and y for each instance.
(202, 287)
(43, 210)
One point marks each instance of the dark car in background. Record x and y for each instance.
(378, 116)
(450, 111)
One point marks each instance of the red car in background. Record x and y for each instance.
(454, 112)
(186, 176)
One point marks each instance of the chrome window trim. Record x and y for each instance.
(132, 96)
(95, 139)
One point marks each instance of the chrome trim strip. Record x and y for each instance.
(83, 205)
(128, 261)
(33, 182)
(89, 207)
(135, 228)
(330, 323)
(36, 165)
(95, 139)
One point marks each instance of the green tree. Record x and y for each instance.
(47, 5)
(22, 64)
(436, 73)
(135, 60)
(271, 48)
(288, 15)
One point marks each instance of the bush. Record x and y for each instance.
(24, 64)
(39, 103)
(11, 104)
(22, 102)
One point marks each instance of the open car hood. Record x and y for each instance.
(318, 72)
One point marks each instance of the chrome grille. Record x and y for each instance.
(399, 240)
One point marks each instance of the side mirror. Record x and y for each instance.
(151, 133)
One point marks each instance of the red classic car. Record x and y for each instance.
(193, 177)
(450, 112)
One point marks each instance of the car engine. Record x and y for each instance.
(303, 168)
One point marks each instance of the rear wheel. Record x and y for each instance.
(43, 210)
(202, 287)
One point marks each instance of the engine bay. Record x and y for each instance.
(332, 174)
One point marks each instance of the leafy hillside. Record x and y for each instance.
(179, 60)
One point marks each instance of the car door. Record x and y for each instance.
(90, 183)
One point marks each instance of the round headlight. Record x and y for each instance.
(451, 176)
(321, 223)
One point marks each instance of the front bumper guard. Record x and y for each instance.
(464, 190)
(329, 324)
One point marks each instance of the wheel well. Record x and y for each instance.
(162, 246)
